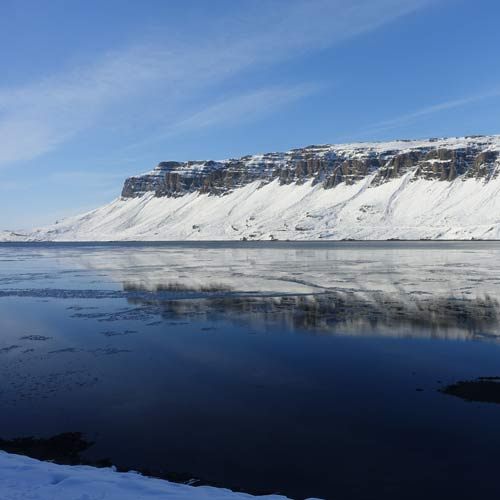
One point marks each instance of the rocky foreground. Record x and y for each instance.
(430, 189)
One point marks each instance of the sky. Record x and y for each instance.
(94, 91)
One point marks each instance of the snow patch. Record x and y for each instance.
(26, 478)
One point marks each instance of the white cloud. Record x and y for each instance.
(430, 110)
(40, 116)
(237, 109)
(245, 107)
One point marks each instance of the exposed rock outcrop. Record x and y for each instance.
(330, 165)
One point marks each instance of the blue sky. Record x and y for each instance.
(94, 91)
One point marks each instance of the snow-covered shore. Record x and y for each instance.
(26, 478)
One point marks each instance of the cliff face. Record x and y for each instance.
(327, 165)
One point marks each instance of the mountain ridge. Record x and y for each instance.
(439, 188)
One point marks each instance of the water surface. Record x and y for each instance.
(309, 369)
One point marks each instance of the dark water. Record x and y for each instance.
(304, 369)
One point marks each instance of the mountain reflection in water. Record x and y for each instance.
(345, 312)
(446, 290)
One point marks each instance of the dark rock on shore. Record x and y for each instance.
(483, 389)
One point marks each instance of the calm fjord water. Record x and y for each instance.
(310, 369)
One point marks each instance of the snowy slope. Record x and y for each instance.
(23, 478)
(11, 236)
(436, 189)
(398, 209)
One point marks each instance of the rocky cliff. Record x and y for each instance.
(327, 165)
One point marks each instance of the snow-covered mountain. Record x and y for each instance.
(428, 189)
(12, 236)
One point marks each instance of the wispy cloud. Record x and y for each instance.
(41, 116)
(36, 118)
(245, 106)
(237, 109)
(408, 118)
